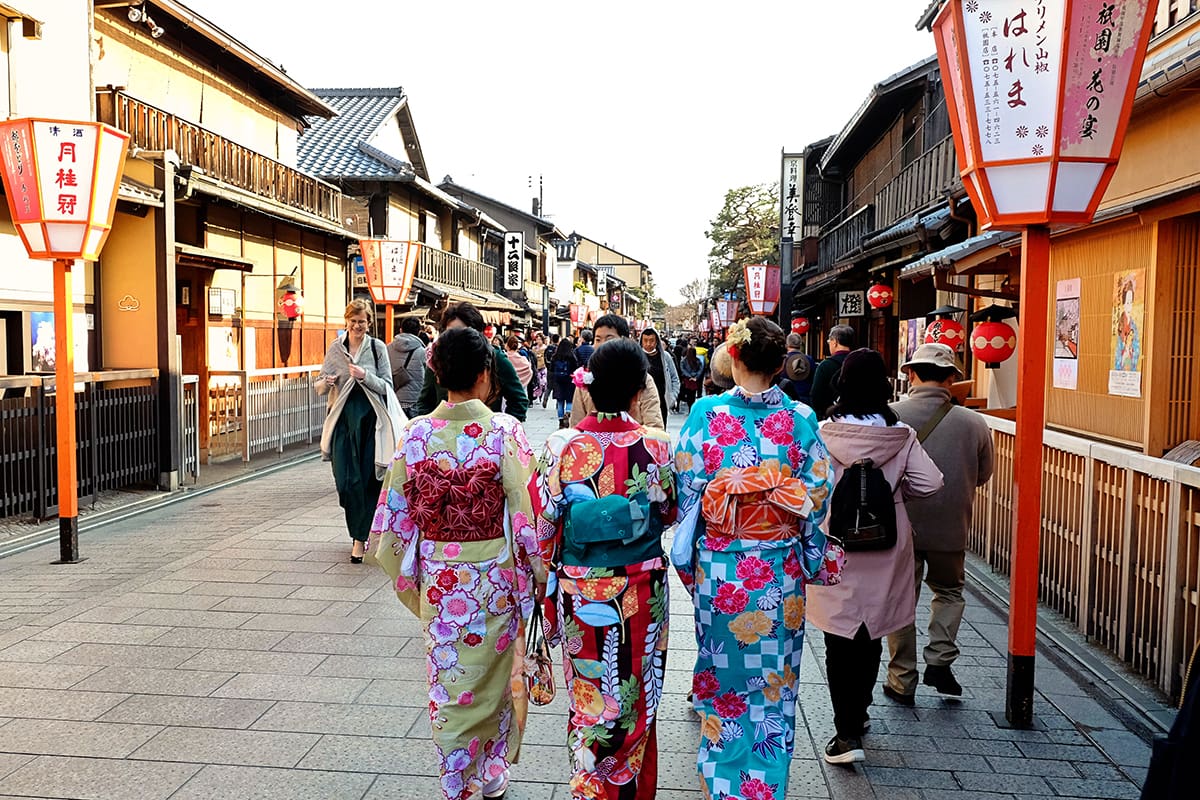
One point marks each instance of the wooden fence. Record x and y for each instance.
(1120, 546)
(262, 411)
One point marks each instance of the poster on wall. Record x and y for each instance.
(1128, 314)
(223, 348)
(916, 336)
(1066, 334)
(42, 351)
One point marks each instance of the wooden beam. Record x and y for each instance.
(942, 282)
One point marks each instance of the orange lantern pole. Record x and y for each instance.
(61, 179)
(1039, 95)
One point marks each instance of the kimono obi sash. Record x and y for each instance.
(764, 503)
(465, 504)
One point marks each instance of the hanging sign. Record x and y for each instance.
(791, 198)
(850, 304)
(762, 288)
(514, 260)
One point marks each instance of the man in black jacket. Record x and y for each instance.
(841, 342)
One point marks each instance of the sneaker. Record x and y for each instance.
(942, 679)
(899, 697)
(844, 751)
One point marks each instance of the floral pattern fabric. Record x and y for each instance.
(611, 621)
(767, 477)
(472, 587)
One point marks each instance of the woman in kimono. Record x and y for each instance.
(455, 531)
(752, 459)
(357, 377)
(608, 489)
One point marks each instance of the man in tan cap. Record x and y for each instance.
(960, 443)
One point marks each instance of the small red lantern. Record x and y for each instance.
(993, 342)
(489, 331)
(800, 325)
(880, 295)
(947, 332)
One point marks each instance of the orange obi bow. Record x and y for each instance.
(760, 502)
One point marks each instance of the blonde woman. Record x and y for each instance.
(357, 436)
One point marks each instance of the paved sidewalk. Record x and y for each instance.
(224, 647)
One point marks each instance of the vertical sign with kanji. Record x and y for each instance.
(791, 197)
(514, 260)
(851, 304)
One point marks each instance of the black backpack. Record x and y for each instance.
(862, 513)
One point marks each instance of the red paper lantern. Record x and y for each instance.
(489, 331)
(993, 342)
(800, 325)
(880, 295)
(947, 332)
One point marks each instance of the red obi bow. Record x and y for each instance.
(465, 504)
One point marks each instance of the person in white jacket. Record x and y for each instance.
(662, 370)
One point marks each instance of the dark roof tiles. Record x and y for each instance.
(330, 148)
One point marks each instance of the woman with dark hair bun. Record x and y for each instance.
(455, 529)
(608, 488)
(751, 464)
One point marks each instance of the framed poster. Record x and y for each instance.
(1066, 334)
(1128, 316)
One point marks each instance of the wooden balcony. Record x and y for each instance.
(919, 185)
(455, 270)
(845, 237)
(152, 128)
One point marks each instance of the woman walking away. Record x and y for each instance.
(876, 597)
(609, 489)
(561, 368)
(691, 371)
(358, 436)
(522, 365)
(766, 476)
(455, 531)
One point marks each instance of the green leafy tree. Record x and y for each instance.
(744, 232)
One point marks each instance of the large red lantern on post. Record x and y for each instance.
(762, 288)
(800, 325)
(1039, 95)
(880, 295)
(61, 179)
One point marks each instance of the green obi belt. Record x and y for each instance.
(611, 532)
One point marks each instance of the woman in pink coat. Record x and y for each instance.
(876, 594)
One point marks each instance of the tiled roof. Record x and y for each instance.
(337, 147)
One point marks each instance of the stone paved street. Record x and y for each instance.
(224, 647)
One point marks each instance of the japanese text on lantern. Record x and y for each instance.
(65, 162)
(1013, 50)
(514, 256)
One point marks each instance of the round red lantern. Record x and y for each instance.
(947, 332)
(489, 331)
(880, 295)
(800, 325)
(993, 342)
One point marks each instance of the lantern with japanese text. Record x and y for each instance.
(390, 267)
(578, 313)
(800, 325)
(993, 340)
(880, 295)
(947, 332)
(1039, 94)
(61, 179)
(762, 288)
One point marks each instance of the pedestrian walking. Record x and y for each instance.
(359, 434)
(841, 342)
(585, 348)
(753, 460)
(796, 377)
(548, 357)
(691, 371)
(521, 364)
(455, 531)
(564, 365)
(539, 367)
(647, 410)
(960, 443)
(609, 488)
(662, 370)
(407, 354)
(875, 597)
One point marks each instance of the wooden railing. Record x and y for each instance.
(262, 411)
(838, 240)
(919, 185)
(455, 270)
(1120, 546)
(154, 129)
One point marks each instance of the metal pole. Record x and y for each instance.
(785, 283)
(1027, 475)
(64, 412)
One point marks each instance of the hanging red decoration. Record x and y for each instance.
(947, 332)
(993, 342)
(800, 325)
(880, 295)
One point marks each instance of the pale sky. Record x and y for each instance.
(639, 116)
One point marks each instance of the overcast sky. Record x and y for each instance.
(637, 115)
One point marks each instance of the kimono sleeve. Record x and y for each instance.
(814, 467)
(517, 473)
(690, 470)
(394, 538)
(549, 502)
(662, 477)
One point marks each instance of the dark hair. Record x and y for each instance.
(862, 387)
(565, 351)
(410, 325)
(843, 335)
(765, 351)
(459, 356)
(931, 373)
(586, 336)
(512, 342)
(691, 357)
(618, 324)
(654, 333)
(619, 370)
(554, 338)
(465, 313)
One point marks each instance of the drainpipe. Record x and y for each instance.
(954, 215)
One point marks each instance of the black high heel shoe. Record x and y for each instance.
(356, 559)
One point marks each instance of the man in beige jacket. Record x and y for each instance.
(647, 411)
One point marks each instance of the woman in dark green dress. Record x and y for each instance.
(357, 436)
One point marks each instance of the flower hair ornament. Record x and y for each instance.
(739, 334)
(582, 378)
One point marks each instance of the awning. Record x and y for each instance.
(498, 302)
(947, 257)
(816, 283)
(908, 227)
(138, 193)
(454, 294)
(208, 185)
(199, 258)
